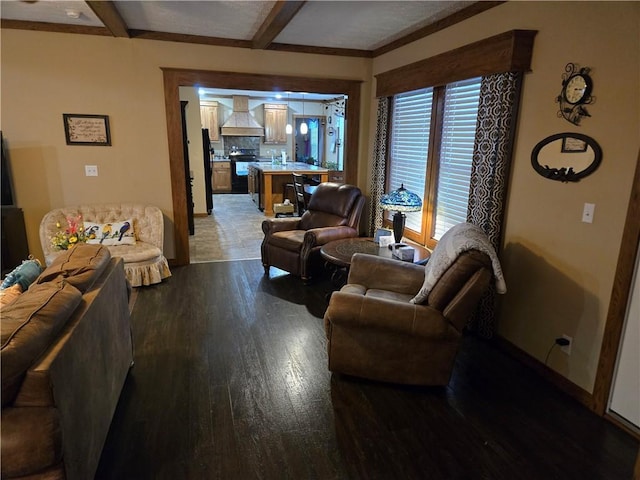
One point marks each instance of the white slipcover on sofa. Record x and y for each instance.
(144, 262)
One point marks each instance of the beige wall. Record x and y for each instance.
(560, 271)
(196, 159)
(47, 74)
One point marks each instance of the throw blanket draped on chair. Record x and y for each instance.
(458, 239)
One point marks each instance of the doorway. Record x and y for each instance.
(309, 147)
(174, 78)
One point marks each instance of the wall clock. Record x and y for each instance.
(575, 94)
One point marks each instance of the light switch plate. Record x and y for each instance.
(91, 170)
(587, 213)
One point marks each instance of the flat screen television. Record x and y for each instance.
(7, 198)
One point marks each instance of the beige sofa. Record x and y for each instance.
(144, 262)
(66, 352)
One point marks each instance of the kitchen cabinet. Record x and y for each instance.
(221, 178)
(275, 124)
(209, 119)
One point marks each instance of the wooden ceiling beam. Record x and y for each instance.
(110, 16)
(279, 17)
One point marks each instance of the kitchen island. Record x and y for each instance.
(267, 181)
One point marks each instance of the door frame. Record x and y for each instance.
(176, 77)
(619, 300)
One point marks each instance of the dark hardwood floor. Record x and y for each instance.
(231, 382)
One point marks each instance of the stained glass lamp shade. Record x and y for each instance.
(400, 200)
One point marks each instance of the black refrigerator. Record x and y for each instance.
(208, 171)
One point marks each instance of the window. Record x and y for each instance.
(431, 151)
(409, 146)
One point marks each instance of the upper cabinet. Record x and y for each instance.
(275, 124)
(209, 118)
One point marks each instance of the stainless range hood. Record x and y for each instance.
(241, 123)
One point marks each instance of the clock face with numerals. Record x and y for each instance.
(576, 89)
(575, 94)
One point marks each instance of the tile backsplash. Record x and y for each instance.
(241, 143)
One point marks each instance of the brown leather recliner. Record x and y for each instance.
(375, 332)
(293, 244)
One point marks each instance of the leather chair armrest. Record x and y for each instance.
(323, 235)
(360, 311)
(273, 225)
(383, 273)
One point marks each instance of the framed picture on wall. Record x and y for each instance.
(573, 145)
(86, 129)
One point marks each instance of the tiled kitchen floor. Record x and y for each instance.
(232, 232)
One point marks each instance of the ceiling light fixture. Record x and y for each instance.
(289, 128)
(304, 128)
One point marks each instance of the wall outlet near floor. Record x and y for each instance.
(567, 348)
(91, 170)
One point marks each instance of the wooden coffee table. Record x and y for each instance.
(339, 252)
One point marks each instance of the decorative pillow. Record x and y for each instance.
(24, 274)
(114, 233)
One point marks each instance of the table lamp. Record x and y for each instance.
(401, 200)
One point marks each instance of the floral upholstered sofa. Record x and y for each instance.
(134, 232)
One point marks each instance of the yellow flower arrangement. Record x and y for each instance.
(73, 234)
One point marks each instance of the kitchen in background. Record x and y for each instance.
(241, 127)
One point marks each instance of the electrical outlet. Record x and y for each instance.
(91, 170)
(567, 348)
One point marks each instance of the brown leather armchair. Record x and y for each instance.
(293, 244)
(375, 332)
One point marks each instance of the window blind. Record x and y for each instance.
(456, 154)
(409, 146)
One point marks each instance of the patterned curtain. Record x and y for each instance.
(379, 165)
(497, 116)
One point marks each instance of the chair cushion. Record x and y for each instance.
(28, 327)
(80, 266)
(289, 240)
(31, 441)
(140, 252)
(388, 295)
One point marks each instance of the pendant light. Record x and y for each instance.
(304, 129)
(289, 128)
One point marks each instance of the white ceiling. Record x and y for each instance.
(344, 26)
(360, 25)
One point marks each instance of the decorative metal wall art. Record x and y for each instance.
(575, 94)
(566, 157)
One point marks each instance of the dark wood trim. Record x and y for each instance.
(341, 52)
(279, 16)
(54, 27)
(433, 167)
(636, 469)
(174, 78)
(622, 426)
(185, 38)
(506, 52)
(619, 298)
(110, 16)
(548, 374)
(457, 17)
(454, 18)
